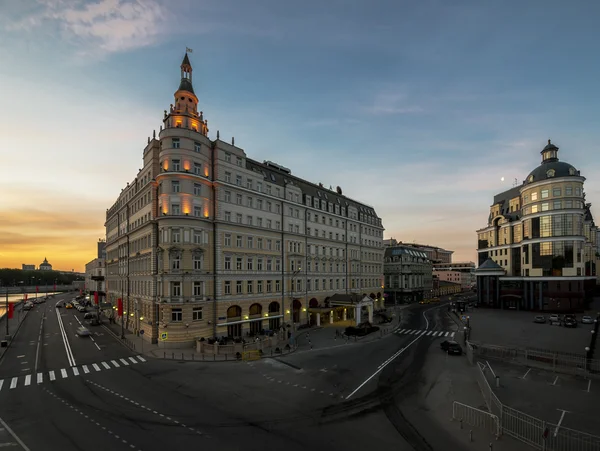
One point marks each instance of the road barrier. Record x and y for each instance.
(531, 430)
(251, 355)
(466, 414)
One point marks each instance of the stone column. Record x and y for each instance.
(318, 316)
(331, 317)
(357, 314)
(344, 314)
(370, 309)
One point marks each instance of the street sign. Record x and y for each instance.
(163, 336)
(142, 332)
(464, 318)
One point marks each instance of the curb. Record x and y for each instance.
(16, 332)
(122, 341)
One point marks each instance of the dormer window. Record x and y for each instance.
(530, 178)
(571, 171)
(550, 173)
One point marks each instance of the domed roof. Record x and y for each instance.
(560, 168)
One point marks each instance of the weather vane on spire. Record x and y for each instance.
(188, 50)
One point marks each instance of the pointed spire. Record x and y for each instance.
(186, 75)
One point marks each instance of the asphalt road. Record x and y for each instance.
(61, 392)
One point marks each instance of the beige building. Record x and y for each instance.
(466, 277)
(95, 268)
(207, 242)
(539, 250)
(408, 274)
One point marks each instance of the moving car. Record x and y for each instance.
(69, 305)
(28, 306)
(540, 319)
(83, 332)
(587, 320)
(90, 315)
(451, 347)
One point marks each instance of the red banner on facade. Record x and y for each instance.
(25, 297)
(120, 307)
(11, 310)
(80, 292)
(95, 297)
(37, 290)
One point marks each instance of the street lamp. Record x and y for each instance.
(292, 290)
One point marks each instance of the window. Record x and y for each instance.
(238, 241)
(259, 243)
(545, 193)
(238, 199)
(259, 204)
(197, 211)
(277, 225)
(227, 157)
(259, 286)
(238, 218)
(175, 262)
(277, 265)
(556, 192)
(568, 190)
(228, 216)
(238, 161)
(269, 206)
(277, 245)
(534, 196)
(198, 237)
(175, 143)
(268, 189)
(228, 239)
(277, 285)
(250, 202)
(227, 196)
(238, 287)
(259, 187)
(175, 186)
(249, 286)
(269, 286)
(228, 262)
(227, 287)
(249, 220)
(557, 205)
(238, 180)
(568, 204)
(259, 222)
(197, 314)
(176, 315)
(176, 236)
(175, 289)
(197, 147)
(259, 264)
(545, 207)
(198, 288)
(269, 224)
(197, 169)
(197, 189)
(228, 177)
(577, 191)
(269, 264)
(269, 244)
(197, 262)
(249, 183)
(250, 264)
(250, 241)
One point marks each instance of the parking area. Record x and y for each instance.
(568, 401)
(516, 328)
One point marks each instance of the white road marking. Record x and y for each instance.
(20, 356)
(124, 362)
(141, 358)
(64, 374)
(106, 365)
(526, 373)
(429, 333)
(401, 331)
(559, 421)
(19, 441)
(133, 360)
(114, 362)
(75, 371)
(28, 380)
(85, 369)
(13, 382)
(452, 334)
(1, 383)
(40, 378)
(96, 367)
(52, 376)
(589, 385)
(554, 383)
(446, 334)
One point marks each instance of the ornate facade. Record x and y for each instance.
(207, 242)
(539, 250)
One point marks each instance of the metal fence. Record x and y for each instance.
(475, 417)
(576, 364)
(531, 430)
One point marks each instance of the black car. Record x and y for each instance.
(570, 322)
(451, 347)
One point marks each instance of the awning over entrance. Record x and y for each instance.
(350, 300)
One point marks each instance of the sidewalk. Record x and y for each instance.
(13, 326)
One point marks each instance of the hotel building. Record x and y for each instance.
(539, 250)
(207, 242)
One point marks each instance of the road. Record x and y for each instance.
(67, 393)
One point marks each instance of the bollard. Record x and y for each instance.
(498, 381)
(471, 435)
(491, 446)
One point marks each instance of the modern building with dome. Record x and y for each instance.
(539, 250)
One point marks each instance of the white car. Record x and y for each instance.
(587, 320)
(554, 319)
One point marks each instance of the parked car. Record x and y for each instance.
(554, 320)
(570, 322)
(540, 319)
(83, 332)
(28, 306)
(587, 320)
(451, 347)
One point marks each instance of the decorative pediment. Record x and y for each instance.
(197, 251)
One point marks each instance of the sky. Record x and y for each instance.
(417, 108)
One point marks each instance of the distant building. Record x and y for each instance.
(28, 267)
(45, 266)
(95, 268)
(458, 272)
(101, 249)
(407, 274)
(434, 254)
(539, 249)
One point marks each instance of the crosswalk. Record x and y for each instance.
(428, 333)
(64, 373)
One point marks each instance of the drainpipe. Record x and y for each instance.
(214, 236)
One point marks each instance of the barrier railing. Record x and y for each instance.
(472, 416)
(531, 430)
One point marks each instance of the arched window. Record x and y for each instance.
(550, 173)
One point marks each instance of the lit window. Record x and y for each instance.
(545, 206)
(534, 196)
(545, 193)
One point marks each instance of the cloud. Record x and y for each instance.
(393, 102)
(106, 26)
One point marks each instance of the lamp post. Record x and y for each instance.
(6, 312)
(292, 289)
